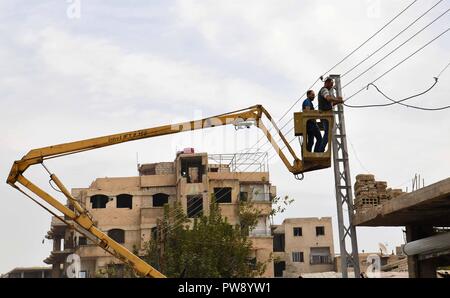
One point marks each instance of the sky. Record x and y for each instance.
(72, 70)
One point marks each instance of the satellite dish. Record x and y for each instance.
(383, 249)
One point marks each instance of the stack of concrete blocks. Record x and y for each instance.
(394, 192)
(370, 193)
(381, 187)
(366, 194)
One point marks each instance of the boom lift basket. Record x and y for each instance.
(301, 119)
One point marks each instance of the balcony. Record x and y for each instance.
(321, 260)
(260, 197)
(260, 232)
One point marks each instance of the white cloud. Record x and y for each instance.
(112, 75)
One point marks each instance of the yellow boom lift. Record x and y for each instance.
(78, 217)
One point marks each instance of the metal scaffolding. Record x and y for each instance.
(241, 162)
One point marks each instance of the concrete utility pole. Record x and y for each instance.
(343, 186)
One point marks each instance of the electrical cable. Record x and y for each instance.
(337, 64)
(372, 36)
(402, 100)
(367, 58)
(396, 48)
(392, 101)
(389, 41)
(399, 63)
(410, 106)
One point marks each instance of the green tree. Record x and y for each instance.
(207, 247)
(116, 270)
(279, 204)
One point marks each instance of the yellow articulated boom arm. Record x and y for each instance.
(80, 215)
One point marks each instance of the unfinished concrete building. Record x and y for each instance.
(303, 245)
(28, 272)
(425, 214)
(127, 208)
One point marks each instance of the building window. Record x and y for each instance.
(222, 194)
(194, 206)
(82, 240)
(154, 233)
(260, 193)
(316, 259)
(82, 274)
(192, 169)
(99, 201)
(320, 231)
(278, 242)
(297, 256)
(320, 255)
(117, 235)
(160, 199)
(243, 196)
(252, 263)
(297, 231)
(262, 227)
(124, 201)
(278, 268)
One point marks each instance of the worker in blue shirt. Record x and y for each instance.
(312, 129)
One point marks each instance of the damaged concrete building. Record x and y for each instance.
(303, 245)
(127, 208)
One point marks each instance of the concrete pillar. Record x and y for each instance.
(420, 268)
(56, 243)
(56, 270)
(427, 268)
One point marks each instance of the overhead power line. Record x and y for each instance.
(334, 66)
(411, 106)
(399, 63)
(396, 48)
(372, 36)
(390, 40)
(393, 102)
(401, 101)
(385, 73)
(407, 98)
(443, 70)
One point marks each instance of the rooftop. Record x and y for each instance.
(428, 205)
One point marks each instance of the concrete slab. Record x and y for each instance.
(429, 205)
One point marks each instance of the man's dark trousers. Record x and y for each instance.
(313, 132)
